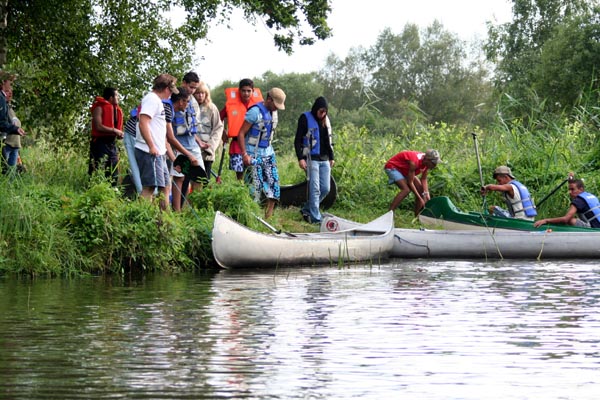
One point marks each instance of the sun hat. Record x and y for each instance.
(503, 170)
(433, 156)
(278, 97)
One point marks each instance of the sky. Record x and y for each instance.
(354, 23)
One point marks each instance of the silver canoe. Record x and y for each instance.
(486, 243)
(236, 246)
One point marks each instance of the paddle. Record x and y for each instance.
(271, 227)
(480, 173)
(554, 191)
(218, 176)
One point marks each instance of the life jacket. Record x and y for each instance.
(261, 132)
(594, 205)
(527, 205)
(236, 110)
(112, 116)
(184, 122)
(311, 141)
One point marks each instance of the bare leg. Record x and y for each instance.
(164, 197)
(178, 183)
(147, 192)
(404, 191)
(269, 208)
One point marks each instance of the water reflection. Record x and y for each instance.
(409, 329)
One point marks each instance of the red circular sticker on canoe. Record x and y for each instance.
(332, 225)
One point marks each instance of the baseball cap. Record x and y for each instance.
(278, 97)
(503, 170)
(433, 156)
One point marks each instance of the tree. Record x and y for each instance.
(536, 35)
(66, 51)
(344, 82)
(429, 69)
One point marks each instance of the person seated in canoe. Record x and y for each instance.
(583, 211)
(516, 195)
(403, 169)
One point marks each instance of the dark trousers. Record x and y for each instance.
(104, 154)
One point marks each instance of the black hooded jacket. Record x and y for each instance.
(325, 143)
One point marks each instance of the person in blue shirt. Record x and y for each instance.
(584, 210)
(255, 138)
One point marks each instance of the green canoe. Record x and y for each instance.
(440, 212)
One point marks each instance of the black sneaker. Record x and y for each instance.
(305, 216)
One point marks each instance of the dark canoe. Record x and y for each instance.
(440, 212)
(295, 195)
(291, 195)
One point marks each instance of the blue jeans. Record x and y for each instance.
(10, 154)
(318, 187)
(134, 170)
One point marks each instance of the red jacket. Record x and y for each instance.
(112, 116)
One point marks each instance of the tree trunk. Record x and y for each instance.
(3, 26)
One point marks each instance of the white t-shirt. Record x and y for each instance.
(153, 106)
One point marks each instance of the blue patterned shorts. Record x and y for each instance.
(236, 163)
(265, 178)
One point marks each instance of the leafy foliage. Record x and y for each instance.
(549, 47)
(123, 43)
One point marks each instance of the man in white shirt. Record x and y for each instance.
(151, 143)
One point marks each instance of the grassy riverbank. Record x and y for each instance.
(56, 221)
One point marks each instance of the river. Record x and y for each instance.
(406, 329)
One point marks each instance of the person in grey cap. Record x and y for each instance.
(516, 195)
(255, 138)
(404, 168)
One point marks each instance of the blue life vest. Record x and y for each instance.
(594, 205)
(527, 204)
(311, 141)
(261, 132)
(184, 122)
(169, 109)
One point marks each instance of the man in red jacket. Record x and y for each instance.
(107, 126)
(403, 170)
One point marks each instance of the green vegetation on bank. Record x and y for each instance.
(57, 221)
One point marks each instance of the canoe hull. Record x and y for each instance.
(487, 243)
(236, 246)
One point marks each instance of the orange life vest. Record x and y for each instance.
(236, 110)
(112, 116)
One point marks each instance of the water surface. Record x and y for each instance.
(414, 330)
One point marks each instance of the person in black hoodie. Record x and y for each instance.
(314, 149)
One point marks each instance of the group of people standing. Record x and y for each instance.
(174, 121)
(409, 169)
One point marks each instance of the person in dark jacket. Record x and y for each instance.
(10, 127)
(314, 149)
